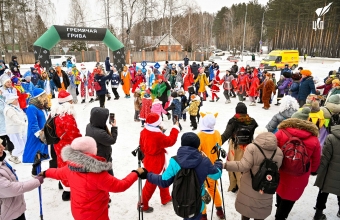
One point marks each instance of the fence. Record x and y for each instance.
(100, 56)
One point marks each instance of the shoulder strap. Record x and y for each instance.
(287, 133)
(258, 147)
(329, 111)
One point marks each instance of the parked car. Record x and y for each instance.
(232, 59)
(218, 52)
(215, 58)
(61, 59)
(246, 53)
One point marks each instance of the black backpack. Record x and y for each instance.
(334, 120)
(50, 131)
(268, 177)
(186, 193)
(244, 134)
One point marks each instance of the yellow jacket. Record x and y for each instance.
(208, 141)
(317, 118)
(193, 108)
(203, 81)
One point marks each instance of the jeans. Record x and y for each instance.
(322, 199)
(226, 94)
(283, 208)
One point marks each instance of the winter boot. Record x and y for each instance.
(218, 98)
(319, 215)
(83, 101)
(91, 100)
(149, 210)
(66, 196)
(204, 217)
(60, 186)
(219, 212)
(211, 101)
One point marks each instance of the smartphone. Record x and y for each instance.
(112, 117)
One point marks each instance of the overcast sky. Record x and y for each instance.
(95, 12)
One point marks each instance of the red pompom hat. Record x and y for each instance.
(64, 96)
(153, 119)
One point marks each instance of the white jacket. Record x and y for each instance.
(16, 120)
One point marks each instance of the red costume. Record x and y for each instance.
(38, 68)
(242, 82)
(254, 83)
(215, 85)
(139, 78)
(188, 79)
(153, 143)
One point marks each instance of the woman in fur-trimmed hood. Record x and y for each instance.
(89, 196)
(290, 186)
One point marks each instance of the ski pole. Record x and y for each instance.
(38, 168)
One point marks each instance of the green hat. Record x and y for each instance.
(303, 114)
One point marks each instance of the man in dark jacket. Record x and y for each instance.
(194, 69)
(233, 131)
(98, 130)
(14, 63)
(188, 157)
(107, 65)
(307, 87)
(286, 69)
(234, 68)
(186, 60)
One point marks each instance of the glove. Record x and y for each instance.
(42, 174)
(40, 178)
(144, 175)
(314, 173)
(219, 164)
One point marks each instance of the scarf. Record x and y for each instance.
(243, 118)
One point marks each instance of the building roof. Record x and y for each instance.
(164, 40)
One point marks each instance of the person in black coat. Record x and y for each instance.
(56, 78)
(101, 79)
(98, 130)
(107, 65)
(14, 63)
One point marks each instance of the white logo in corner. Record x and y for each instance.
(318, 24)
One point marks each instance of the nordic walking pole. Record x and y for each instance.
(137, 152)
(221, 180)
(39, 188)
(213, 151)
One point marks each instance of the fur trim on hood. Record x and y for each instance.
(299, 124)
(84, 162)
(62, 109)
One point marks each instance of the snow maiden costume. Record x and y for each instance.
(36, 115)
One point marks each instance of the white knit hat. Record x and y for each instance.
(85, 144)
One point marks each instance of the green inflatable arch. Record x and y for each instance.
(56, 33)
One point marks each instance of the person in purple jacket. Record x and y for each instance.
(12, 202)
(284, 87)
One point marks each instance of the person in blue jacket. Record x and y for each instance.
(36, 116)
(211, 72)
(188, 157)
(306, 87)
(101, 79)
(286, 69)
(69, 64)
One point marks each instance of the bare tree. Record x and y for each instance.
(77, 13)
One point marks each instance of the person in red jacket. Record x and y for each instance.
(89, 180)
(242, 84)
(188, 79)
(291, 186)
(66, 130)
(254, 83)
(153, 143)
(38, 67)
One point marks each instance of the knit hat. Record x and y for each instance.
(296, 76)
(15, 80)
(38, 92)
(4, 79)
(335, 99)
(241, 108)
(306, 72)
(303, 114)
(259, 130)
(64, 96)
(190, 139)
(156, 101)
(336, 81)
(153, 119)
(28, 78)
(174, 94)
(287, 74)
(85, 145)
(11, 97)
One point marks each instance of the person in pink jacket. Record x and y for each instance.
(12, 202)
(158, 108)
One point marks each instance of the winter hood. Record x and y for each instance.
(299, 124)
(189, 157)
(288, 102)
(336, 131)
(78, 161)
(207, 122)
(266, 141)
(99, 117)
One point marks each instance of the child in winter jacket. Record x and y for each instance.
(176, 107)
(137, 103)
(28, 86)
(193, 110)
(12, 191)
(158, 108)
(184, 103)
(115, 81)
(146, 108)
(294, 88)
(252, 92)
(23, 96)
(202, 81)
(227, 86)
(188, 157)
(83, 172)
(215, 82)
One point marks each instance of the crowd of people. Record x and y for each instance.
(307, 123)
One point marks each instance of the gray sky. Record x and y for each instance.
(95, 12)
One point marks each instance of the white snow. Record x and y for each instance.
(124, 204)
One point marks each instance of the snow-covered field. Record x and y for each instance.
(123, 205)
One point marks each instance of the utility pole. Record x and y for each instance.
(108, 22)
(170, 32)
(244, 31)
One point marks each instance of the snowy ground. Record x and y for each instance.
(123, 205)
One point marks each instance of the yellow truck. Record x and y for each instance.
(277, 59)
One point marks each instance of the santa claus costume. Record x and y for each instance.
(66, 130)
(86, 84)
(242, 84)
(215, 87)
(153, 143)
(253, 92)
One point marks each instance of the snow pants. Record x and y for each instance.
(19, 144)
(148, 191)
(211, 190)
